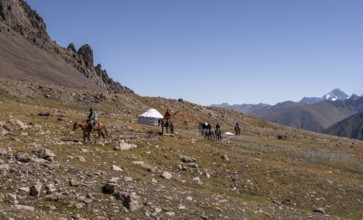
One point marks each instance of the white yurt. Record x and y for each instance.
(150, 117)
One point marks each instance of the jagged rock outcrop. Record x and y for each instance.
(86, 54)
(17, 17)
(72, 48)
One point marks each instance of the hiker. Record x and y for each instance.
(91, 118)
(237, 129)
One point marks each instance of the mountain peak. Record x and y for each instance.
(335, 94)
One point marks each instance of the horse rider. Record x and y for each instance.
(167, 115)
(208, 127)
(91, 118)
(218, 127)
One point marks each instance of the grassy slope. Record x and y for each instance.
(265, 177)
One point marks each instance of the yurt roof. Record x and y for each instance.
(151, 113)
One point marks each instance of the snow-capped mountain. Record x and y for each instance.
(336, 94)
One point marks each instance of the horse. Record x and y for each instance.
(209, 134)
(202, 126)
(237, 129)
(218, 134)
(99, 127)
(167, 123)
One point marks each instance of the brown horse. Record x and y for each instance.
(167, 124)
(99, 127)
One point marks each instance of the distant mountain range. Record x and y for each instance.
(333, 113)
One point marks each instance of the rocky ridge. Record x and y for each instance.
(16, 16)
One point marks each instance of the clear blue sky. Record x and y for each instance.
(215, 51)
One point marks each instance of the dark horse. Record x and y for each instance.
(99, 127)
(237, 129)
(209, 134)
(207, 131)
(167, 123)
(218, 134)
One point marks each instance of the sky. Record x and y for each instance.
(218, 51)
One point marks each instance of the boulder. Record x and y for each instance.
(22, 157)
(14, 125)
(44, 154)
(130, 200)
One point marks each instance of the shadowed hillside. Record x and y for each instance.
(351, 127)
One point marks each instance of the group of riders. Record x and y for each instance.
(91, 120)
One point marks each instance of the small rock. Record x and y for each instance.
(167, 175)
(320, 210)
(35, 190)
(186, 159)
(3, 151)
(130, 201)
(22, 157)
(11, 198)
(79, 205)
(128, 179)
(44, 153)
(110, 186)
(25, 189)
(43, 114)
(82, 159)
(189, 198)
(282, 137)
(127, 146)
(50, 188)
(197, 179)
(116, 168)
(170, 213)
(3, 132)
(4, 167)
(225, 157)
(73, 182)
(24, 207)
(193, 165)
